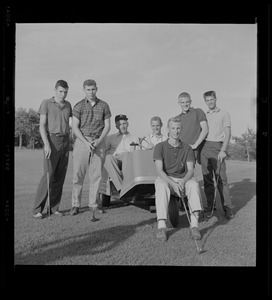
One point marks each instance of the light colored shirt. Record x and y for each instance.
(118, 143)
(153, 139)
(218, 121)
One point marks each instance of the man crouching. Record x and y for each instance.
(174, 162)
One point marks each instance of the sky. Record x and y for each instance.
(140, 69)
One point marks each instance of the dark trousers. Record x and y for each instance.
(57, 164)
(210, 165)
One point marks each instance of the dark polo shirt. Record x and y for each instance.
(190, 123)
(57, 117)
(174, 158)
(91, 118)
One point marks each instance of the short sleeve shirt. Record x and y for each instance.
(57, 117)
(218, 121)
(118, 143)
(190, 123)
(91, 118)
(152, 138)
(174, 159)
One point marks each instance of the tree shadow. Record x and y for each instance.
(91, 243)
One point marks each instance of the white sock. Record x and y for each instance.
(194, 219)
(161, 223)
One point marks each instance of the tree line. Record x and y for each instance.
(27, 135)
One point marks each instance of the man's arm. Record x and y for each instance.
(202, 135)
(222, 154)
(188, 176)
(70, 122)
(79, 134)
(106, 130)
(165, 177)
(43, 132)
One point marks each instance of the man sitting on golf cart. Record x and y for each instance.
(174, 162)
(117, 145)
(149, 141)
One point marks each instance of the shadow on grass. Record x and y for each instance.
(241, 193)
(91, 243)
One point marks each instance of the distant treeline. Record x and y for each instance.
(27, 135)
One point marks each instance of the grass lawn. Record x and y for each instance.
(125, 234)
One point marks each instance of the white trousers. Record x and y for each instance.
(163, 191)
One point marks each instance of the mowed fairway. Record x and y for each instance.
(125, 234)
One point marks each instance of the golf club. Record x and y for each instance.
(199, 248)
(215, 192)
(48, 190)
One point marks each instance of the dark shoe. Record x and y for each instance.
(161, 234)
(74, 211)
(228, 213)
(209, 208)
(196, 233)
(38, 216)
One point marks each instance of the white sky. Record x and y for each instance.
(140, 69)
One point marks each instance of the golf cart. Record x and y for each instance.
(138, 184)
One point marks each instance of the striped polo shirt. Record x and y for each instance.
(91, 118)
(57, 117)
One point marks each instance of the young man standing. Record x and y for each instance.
(174, 162)
(55, 114)
(152, 139)
(91, 124)
(213, 154)
(194, 124)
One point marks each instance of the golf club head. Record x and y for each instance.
(200, 250)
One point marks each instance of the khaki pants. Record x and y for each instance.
(163, 192)
(115, 165)
(83, 161)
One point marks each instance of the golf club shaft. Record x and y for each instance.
(48, 190)
(183, 202)
(216, 187)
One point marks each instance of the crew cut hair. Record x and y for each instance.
(209, 94)
(184, 95)
(156, 118)
(61, 83)
(173, 119)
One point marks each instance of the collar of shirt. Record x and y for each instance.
(123, 135)
(54, 101)
(171, 147)
(212, 111)
(154, 135)
(88, 101)
(190, 110)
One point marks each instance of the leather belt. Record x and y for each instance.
(94, 136)
(59, 134)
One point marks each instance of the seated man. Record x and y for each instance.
(152, 139)
(174, 162)
(117, 145)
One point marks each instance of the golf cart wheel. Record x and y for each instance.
(105, 200)
(173, 211)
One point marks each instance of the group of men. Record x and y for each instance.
(192, 136)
